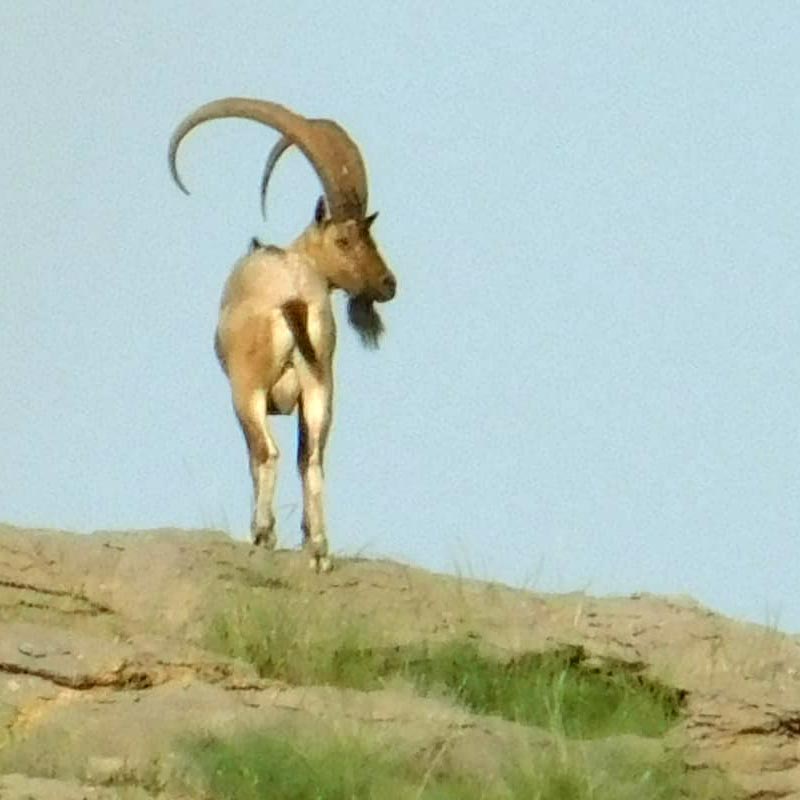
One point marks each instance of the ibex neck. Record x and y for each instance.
(310, 245)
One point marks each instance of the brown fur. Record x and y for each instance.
(302, 440)
(295, 313)
(219, 352)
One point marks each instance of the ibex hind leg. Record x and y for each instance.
(314, 424)
(253, 362)
(263, 453)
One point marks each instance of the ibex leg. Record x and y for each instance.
(263, 453)
(314, 423)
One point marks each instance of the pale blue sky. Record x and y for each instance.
(591, 374)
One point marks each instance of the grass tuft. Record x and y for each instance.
(258, 765)
(254, 766)
(558, 690)
(589, 706)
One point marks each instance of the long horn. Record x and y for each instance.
(280, 147)
(333, 154)
(326, 127)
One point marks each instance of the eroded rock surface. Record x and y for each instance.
(103, 666)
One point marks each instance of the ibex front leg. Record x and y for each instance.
(313, 426)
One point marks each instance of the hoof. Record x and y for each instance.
(320, 564)
(265, 537)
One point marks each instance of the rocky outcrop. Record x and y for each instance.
(103, 665)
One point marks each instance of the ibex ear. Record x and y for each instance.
(319, 211)
(369, 220)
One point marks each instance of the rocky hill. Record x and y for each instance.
(112, 657)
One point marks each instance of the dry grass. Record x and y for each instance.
(596, 713)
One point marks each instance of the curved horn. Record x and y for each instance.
(327, 128)
(333, 154)
(280, 147)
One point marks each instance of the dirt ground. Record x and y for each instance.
(103, 668)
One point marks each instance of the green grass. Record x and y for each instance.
(558, 690)
(587, 705)
(256, 766)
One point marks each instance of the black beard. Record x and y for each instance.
(365, 319)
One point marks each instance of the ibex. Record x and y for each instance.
(276, 333)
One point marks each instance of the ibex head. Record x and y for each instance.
(339, 238)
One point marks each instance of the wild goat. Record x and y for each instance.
(276, 333)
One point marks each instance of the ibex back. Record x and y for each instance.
(276, 333)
